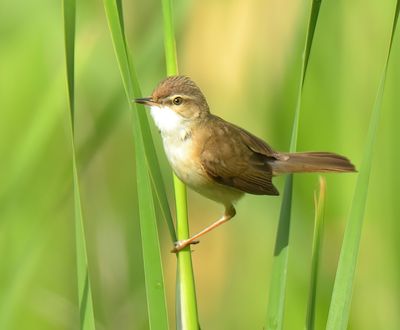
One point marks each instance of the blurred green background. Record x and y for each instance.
(245, 55)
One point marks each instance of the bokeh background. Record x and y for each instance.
(246, 56)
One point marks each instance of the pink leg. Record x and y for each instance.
(229, 214)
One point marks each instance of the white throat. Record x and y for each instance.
(168, 121)
(178, 145)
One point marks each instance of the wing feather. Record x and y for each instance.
(241, 161)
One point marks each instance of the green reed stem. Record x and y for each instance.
(316, 253)
(186, 305)
(85, 300)
(339, 311)
(277, 295)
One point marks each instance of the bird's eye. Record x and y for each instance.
(177, 100)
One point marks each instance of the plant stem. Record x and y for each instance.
(277, 295)
(186, 305)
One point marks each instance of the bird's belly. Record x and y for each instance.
(185, 163)
(184, 160)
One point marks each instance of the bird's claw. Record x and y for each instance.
(179, 245)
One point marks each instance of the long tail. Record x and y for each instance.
(311, 162)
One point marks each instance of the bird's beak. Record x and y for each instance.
(145, 100)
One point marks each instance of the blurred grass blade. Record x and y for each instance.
(339, 310)
(276, 300)
(86, 313)
(132, 90)
(316, 252)
(186, 302)
(169, 39)
(87, 320)
(69, 7)
(156, 302)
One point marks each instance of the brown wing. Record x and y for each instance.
(234, 157)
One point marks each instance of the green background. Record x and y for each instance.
(246, 56)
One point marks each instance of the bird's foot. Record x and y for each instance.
(179, 245)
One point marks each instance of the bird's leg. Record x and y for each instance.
(228, 214)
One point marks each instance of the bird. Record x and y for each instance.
(218, 159)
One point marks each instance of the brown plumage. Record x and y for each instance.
(218, 159)
(247, 163)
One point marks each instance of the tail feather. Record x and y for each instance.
(311, 162)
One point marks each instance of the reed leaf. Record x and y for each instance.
(154, 281)
(86, 313)
(186, 304)
(340, 306)
(276, 301)
(316, 252)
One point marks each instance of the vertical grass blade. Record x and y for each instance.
(86, 313)
(169, 38)
(87, 320)
(154, 281)
(132, 89)
(69, 7)
(316, 252)
(276, 300)
(156, 302)
(339, 310)
(186, 304)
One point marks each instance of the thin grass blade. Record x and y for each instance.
(339, 310)
(132, 90)
(186, 302)
(156, 302)
(276, 300)
(69, 8)
(86, 313)
(154, 280)
(316, 252)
